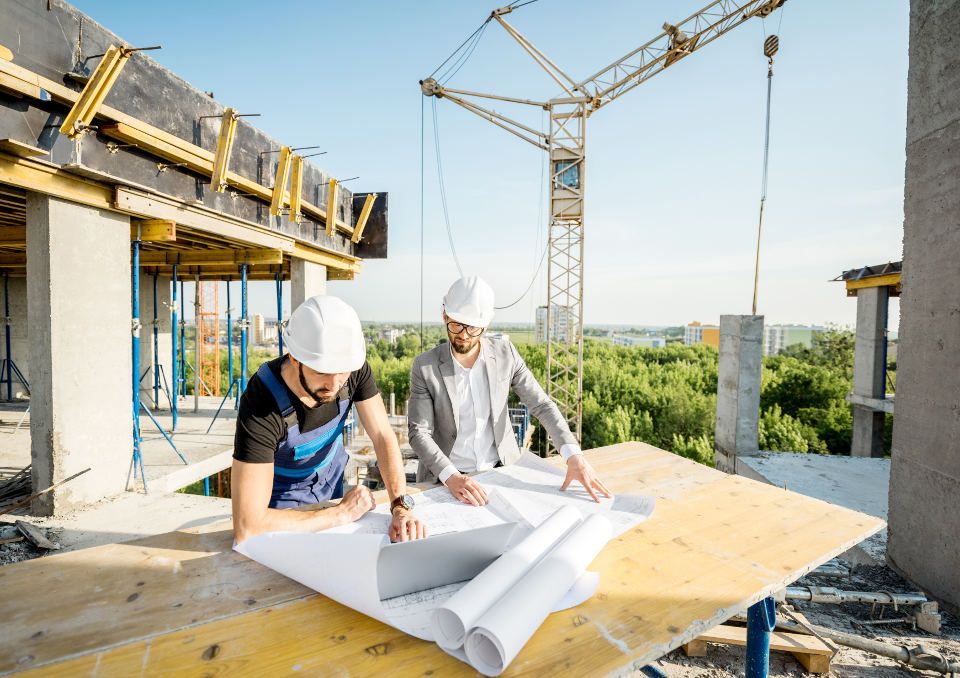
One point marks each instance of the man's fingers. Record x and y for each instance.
(470, 499)
(478, 490)
(566, 482)
(588, 486)
(603, 488)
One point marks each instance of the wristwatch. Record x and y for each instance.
(404, 501)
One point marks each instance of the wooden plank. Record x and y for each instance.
(782, 641)
(153, 230)
(43, 177)
(20, 149)
(219, 256)
(5, 53)
(13, 235)
(888, 280)
(715, 545)
(35, 536)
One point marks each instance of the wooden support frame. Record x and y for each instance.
(91, 98)
(20, 149)
(13, 236)
(364, 216)
(5, 53)
(278, 198)
(220, 256)
(153, 230)
(225, 139)
(810, 651)
(333, 190)
(888, 280)
(296, 188)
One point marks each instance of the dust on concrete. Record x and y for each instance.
(723, 661)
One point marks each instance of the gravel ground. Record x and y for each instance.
(724, 661)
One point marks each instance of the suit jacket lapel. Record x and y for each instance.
(450, 381)
(490, 361)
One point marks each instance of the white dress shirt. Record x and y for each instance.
(475, 448)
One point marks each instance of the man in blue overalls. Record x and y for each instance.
(288, 448)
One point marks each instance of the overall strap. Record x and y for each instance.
(279, 393)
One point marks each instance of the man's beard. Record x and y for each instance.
(464, 349)
(322, 397)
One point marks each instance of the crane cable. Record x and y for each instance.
(770, 47)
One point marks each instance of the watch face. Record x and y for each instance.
(406, 501)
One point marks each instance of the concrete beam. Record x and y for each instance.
(78, 301)
(738, 389)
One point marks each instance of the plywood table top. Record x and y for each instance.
(184, 603)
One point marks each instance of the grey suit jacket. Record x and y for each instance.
(434, 410)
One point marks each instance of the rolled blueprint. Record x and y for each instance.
(451, 621)
(502, 631)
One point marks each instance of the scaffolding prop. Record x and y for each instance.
(8, 368)
(237, 384)
(159, 374)
(136, 462)
(175, 345)
(279, 282)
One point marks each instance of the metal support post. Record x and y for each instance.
(136, 464)
(196, 343)
(761, 619)
(9, 368)
(156, 347)
(280, 313)
(183, 343)
(236, 402)
(174, 331)
(243, 327)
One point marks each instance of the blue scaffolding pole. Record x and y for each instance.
(9, 368)
(174, 337)
(761, 619)
(183, 345)
(237, 384)
(243, 327)
(136, 463)
(279, 280)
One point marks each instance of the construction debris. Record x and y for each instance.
(35, 536)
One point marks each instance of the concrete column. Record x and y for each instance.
(307, 279)
(78, 300)
(738, 389)
(924, 514)
(870, 370)
(147, 358)
(19, 347)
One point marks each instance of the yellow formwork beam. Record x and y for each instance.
(296, 187)
(211, 257)
(153, 230)
(364, 215)
(95, 91)
(13, 236)
(887, 280)
(221, 160)
(332, 194)
(279, 198)
(5, 53)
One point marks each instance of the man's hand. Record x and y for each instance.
(405, 526)
(356, 502)
(579, 469)
(466, 489)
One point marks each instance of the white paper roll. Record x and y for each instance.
(503, 630)
(452, 620)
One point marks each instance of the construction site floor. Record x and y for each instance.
(858, 483)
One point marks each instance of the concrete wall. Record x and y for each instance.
(306, 280)
(19, 348)
(925, 471)
(163, 339)
(78, 293)
(738, 389)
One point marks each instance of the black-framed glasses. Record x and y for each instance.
(456, 328)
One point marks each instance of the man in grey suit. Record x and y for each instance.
(457, 417)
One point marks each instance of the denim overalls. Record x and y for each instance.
(307, 467)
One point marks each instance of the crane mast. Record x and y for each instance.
(565, 143)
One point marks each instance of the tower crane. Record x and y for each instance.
(565, 142)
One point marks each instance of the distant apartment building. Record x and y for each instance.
(562, 327)
(259, 325)
(646, 342)
(778, 337)
(391, 334)
(262, 332)
(697, 333)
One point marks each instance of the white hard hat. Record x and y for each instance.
(469, 301)
(324, 334)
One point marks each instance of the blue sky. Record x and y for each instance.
(673, 169)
